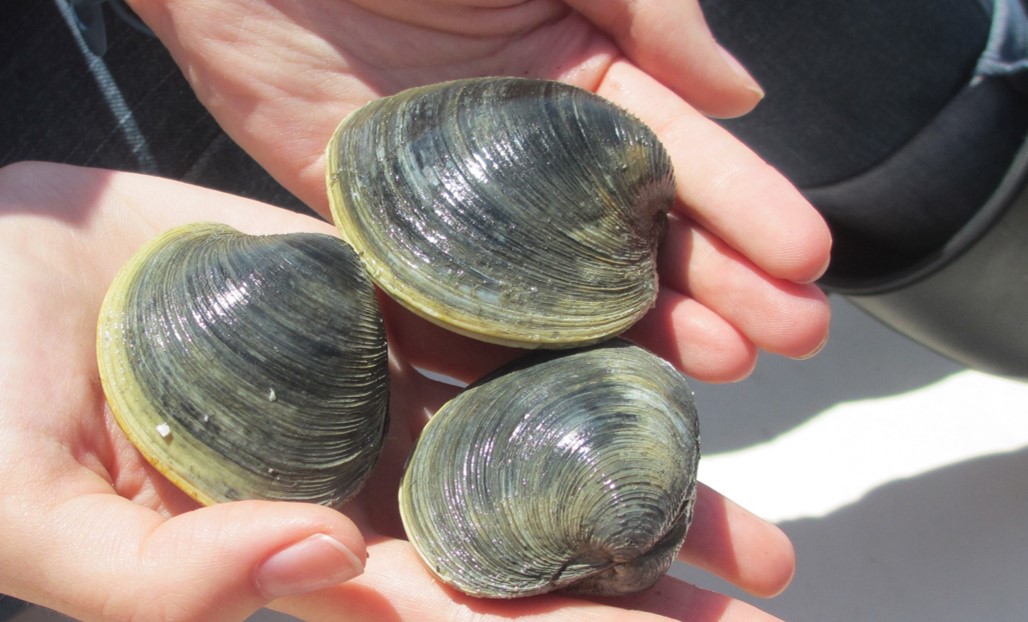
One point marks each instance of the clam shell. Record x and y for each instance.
(574, 470)
(248, 366)
(521, 212)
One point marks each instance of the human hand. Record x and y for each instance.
(744, 247)
(91, 530)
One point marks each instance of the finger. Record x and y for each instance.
(778, 316)
(430, 347)
(689, 335)
(100, 556)
(694, 339)
(413, 394)
(384, 592)
(676, 600)
(732, 543)
(671, 42)
(724, 186)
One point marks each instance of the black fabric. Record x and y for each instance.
(908, 206)
(871, 111)
(846, 82)
(51, 107)
(10, 607)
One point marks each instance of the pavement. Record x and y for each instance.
(900, 476)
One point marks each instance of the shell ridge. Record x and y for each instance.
(247, 394)
(477, 176)
(580, 429)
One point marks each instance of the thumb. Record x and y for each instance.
(672, 42)
(110, 559)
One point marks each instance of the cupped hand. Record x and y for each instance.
(744, 247)
(91, 530)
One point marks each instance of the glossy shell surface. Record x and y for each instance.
(521, 212)
(248, 366)
(574, 470)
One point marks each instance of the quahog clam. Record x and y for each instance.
(248, 366)
(575, 470)
(522, 212)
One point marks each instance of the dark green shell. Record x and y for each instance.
(522, 212)
(248, 367)
(573, 470)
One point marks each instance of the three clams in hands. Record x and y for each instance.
(521, 212)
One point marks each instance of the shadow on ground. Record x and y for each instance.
(862, 359)
(945, 546)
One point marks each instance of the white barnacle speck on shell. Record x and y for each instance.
(226, 323)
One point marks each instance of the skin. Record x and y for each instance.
(279, 75)
(91, 530)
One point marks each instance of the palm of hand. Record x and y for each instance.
(71, 468)
(132, 541)
(66, 231)
(288, 69)
(296, 68)
(279, 75)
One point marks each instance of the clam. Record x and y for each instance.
(248, 366)
(521, 212)
(572, 470)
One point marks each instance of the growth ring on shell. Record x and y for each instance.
(569, 470)
(522, 212)
(247, 367)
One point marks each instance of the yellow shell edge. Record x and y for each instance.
(461, 324)
(116, 376)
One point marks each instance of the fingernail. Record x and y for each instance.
(820, 272)
(748, 81)
(817, 350)
(313, 564)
